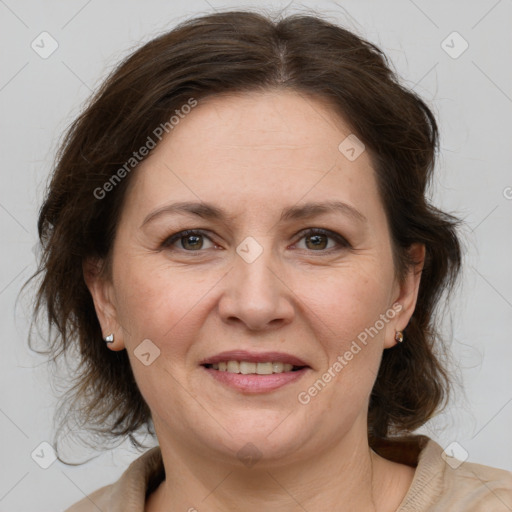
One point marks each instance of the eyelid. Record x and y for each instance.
(342, 242)
(170, 240)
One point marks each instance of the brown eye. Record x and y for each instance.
(189, 240)
(192, 242)
(317, 241)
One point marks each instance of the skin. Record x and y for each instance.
(254, 154)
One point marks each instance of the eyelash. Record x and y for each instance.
(342, 242)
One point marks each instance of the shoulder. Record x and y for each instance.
(445, 483)
(99, 499)
(128, 494)
(483, 488)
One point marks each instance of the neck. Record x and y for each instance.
(347, 476)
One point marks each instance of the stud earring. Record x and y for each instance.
(109, 339)
(399, 336)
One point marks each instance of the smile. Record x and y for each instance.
(257, 368)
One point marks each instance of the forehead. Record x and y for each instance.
(256, 150)
(284, 123)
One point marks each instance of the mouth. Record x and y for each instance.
(253, 368)
(253, 372)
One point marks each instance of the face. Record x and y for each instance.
(264, 275)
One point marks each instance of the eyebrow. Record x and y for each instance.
(305, 211)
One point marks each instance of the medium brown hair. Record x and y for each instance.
(232, 52)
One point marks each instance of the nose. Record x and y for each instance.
(257, 295)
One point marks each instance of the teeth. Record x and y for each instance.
(264, 369)
(277, 367)
(246, 367)
(233, 367)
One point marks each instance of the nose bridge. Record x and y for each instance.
(256, 295)
(254, 278)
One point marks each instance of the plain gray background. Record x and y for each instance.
(470, 93)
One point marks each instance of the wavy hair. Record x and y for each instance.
(236, 52)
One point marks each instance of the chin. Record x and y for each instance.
(269, 437)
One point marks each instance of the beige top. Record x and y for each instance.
(439, 484)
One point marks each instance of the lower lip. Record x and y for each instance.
(253, 383)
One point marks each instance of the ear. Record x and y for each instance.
(406, 294)
(102, 293)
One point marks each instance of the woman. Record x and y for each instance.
(238, 244)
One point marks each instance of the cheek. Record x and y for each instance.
(160, 305)
(346, 313)
(345, 302)
(157, 303)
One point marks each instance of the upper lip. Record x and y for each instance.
(254, 357)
